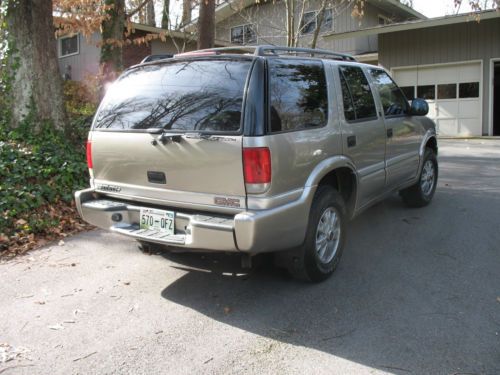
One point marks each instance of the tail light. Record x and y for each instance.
(89, 155)
(257, 169)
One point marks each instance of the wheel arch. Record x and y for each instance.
(340, 173)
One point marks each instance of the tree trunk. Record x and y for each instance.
(186, 11)
(150, 13)
(165, 21)
(37, 83)
(112, 38)
(206, 24)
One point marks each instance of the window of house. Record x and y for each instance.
(310, 21)
(393, 100)
(409, 92)
(427, 92)
(298, 94)
(447, 91)
(68, 46)
(357, 95)
(244, 34)
(327, 24)
(469, 90)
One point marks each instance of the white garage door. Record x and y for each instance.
(453, 93)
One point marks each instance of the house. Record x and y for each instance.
(247, 22)
(453, 62)
(79, 56)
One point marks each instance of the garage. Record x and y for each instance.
(453, 92)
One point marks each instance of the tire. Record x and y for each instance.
(320, 253)
(421, 194)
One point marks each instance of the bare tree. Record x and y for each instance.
(150, 13)
(206, 24)
(165, 17)
(187, 9)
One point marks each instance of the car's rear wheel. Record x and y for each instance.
(320, 254)
(421, 193)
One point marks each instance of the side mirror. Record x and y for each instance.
(419, 107)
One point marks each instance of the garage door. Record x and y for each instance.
(453, 93)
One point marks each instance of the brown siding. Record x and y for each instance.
(445, 44)
(133, 54)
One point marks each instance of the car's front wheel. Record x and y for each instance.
(420, 194)
(320, 254)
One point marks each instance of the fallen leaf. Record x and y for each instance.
(127, 282)
(56, 327)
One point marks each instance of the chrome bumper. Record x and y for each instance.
(250, 231)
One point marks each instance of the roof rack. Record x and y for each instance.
(268, 50)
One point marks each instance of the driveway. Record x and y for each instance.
(417, 292)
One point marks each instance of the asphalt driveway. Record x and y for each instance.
(417, 292)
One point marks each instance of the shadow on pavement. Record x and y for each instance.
(415, 292)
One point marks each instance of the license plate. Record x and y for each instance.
(160, 220)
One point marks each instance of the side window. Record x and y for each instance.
(393, 100)
(357, 95)
(298, 94)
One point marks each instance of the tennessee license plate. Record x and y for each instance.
(160, 220)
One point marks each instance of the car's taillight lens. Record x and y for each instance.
(257, 165)
(89, 155)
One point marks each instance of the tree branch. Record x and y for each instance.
(138, 9)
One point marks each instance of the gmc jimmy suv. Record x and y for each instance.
(252, 150)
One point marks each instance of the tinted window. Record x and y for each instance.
(181, 95)
(426, 92)
(298, 94)
(349, 113)
(393, 101)
(409, 92)
(356, 86)
(469, 90)
(448, 91)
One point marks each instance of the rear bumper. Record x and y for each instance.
(250, 232)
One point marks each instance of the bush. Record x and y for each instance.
(38, 174)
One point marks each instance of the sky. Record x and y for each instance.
(439, 8)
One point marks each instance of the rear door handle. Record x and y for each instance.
(351, 141)
(389, 133)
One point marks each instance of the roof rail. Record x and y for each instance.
(269, 50)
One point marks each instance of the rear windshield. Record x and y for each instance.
(197, 95)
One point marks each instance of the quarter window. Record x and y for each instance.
(393, 101)
(357, 96)
(244, 34)
(68, 46)
(298, 94)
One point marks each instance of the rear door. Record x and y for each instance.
(363, 132)
(172, 132)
